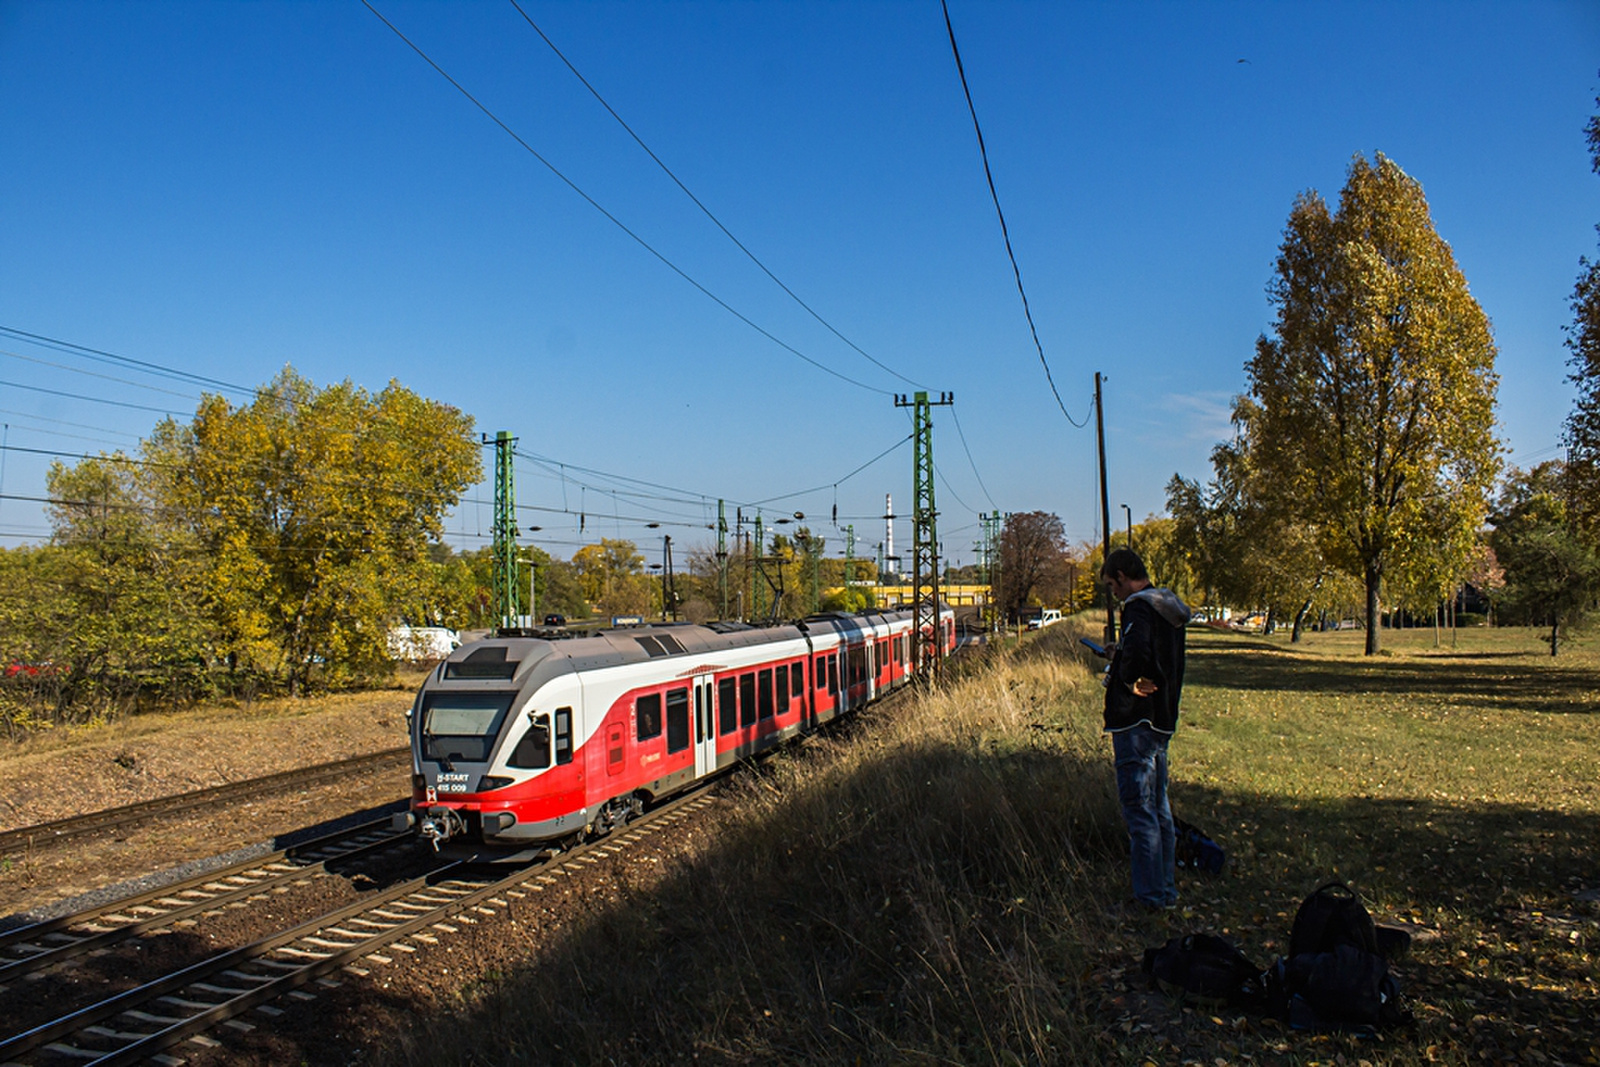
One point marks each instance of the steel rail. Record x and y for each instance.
(49, 833)
(76, 934)
(212, 991)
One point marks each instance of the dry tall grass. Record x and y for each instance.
(916, 888)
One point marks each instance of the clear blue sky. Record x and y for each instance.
(227, 188)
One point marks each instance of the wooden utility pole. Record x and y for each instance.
(1105, 507)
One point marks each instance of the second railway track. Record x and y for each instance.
(50, 833)
(29, 949)
(139, 1023)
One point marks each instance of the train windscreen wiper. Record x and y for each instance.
(436, 751)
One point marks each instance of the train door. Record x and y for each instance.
(705, 727)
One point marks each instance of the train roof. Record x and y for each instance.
(509, 657)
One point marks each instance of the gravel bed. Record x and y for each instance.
(156, 879)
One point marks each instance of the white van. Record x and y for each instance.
(415, 643)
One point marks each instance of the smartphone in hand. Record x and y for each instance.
(1098, 650)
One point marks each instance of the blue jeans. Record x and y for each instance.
(1141, 759)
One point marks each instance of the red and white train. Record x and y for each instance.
(518, 742)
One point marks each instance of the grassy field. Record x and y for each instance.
(943, 882)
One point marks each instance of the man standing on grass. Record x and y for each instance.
(1143, 685)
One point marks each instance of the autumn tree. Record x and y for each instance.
(107, 613)
(315, 509)
(1373, 397)
(1552, 576)
(1583, 339)
(1033, 559)
(1243, 545)
(126, 588)
(612, 577)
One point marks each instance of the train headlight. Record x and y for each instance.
(493, 781)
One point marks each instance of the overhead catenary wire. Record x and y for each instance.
(101, 356)
(592, 202)
(705, 210)
(833, 484)
(962, 434)
(1004, 232)
(96, 374)
(62, 433)
(90, 399)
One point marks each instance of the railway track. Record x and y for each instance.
(36, 947)
(176, 1007)
(50, 833)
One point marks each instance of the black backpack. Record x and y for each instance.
(1208, 968)
(1335, 978)
(1330, 917)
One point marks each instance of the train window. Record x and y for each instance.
(821, 671)
(677, 720)
(648, 712)
(563, 735)
(797, 679)
(833, 674)
(764, 693)
(780, 685)
(894, 649)
(489, 662)
(462, 726)
(728, 706)
(533, 751)
(699, 713)
(747, 699)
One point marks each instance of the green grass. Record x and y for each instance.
(1457, 788)
(941, 883)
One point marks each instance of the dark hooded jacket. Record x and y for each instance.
(1151, 647)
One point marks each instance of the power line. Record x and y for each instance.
(592, 202)
(697, 203)
(938, 470)
(962, 434)
(91, 399)
(128, 361)
(987, 173)
(63, 433)
(96, 374)
(836, 482)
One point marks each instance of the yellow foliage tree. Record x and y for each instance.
(1374, 396)
(315, 509)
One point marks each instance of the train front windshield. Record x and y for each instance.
(462, 726)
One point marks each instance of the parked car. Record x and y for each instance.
(31, 670)
(555, 620)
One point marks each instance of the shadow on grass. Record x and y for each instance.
(1504, 964)
(961, 928)
(856, 920)
(1511, 680)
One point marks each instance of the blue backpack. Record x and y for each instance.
(1197, 851)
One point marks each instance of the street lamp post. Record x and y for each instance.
(533, 592)
(1129, 512)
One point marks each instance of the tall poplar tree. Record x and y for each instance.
(1373, 415)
